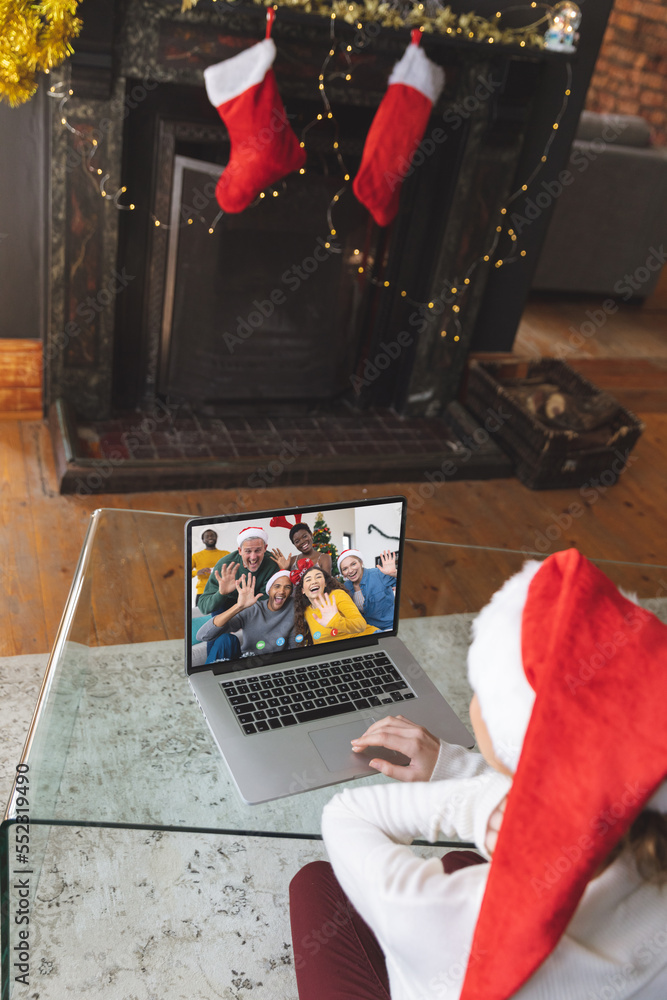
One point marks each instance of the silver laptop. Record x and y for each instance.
(282, 690)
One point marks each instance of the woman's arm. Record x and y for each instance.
(421, 916)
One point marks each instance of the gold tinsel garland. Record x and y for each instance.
(429, 16)
(34, 37)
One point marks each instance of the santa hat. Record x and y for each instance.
(571, 679)
(251, 532)
(349, 552)
(272, 579)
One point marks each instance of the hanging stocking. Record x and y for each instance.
(398, 127)
(264, 147)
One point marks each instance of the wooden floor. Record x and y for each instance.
(41, 532)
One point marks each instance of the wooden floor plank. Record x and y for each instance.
(124, 605)
(21, 594)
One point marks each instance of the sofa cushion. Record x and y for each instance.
(628, 130)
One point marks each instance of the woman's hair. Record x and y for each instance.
(646, 841)
(301, 602)
(298, 527)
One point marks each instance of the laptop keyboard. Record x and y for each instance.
(304, 694)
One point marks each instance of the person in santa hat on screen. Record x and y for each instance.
(250, 559)
(567, 805)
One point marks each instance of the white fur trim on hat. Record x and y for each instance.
(415, 69)
(349, 552)
(272, 579)
(495, 667)
(232, 77)
(252, 531)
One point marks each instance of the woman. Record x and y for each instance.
(267, 625)
(372, 590)
(302, 538)
(574, 901)
(324, 611)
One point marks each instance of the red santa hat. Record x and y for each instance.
(276, 576)
(349, 552)
(251, 532)
(571, 678)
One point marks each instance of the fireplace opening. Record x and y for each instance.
(281, 304)
(270, 305)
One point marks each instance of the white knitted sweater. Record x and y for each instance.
(615, 946)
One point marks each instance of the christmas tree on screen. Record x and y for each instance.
(322, 541)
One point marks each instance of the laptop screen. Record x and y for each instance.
(278, 585)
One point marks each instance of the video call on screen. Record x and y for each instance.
(275, 592)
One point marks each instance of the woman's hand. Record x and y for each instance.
(246, 591)
(388, 563)
(493, 826)
(324, 608)
(283, 561)
(227, 577)
(398, 733)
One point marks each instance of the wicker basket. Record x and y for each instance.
(546, 457)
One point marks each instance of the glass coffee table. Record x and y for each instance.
(130, 866)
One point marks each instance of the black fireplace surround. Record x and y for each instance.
(270, 312)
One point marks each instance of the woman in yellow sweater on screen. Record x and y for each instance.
(324, 611)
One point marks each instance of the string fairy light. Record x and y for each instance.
(458, 293)
(432, 18)
(59, 92)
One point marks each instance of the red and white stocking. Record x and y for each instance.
(414, 86)
(264, 147)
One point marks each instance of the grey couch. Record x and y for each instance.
(608, 232)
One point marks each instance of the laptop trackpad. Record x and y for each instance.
(333, 746)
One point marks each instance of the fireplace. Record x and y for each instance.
(270, 316)
(262, 311)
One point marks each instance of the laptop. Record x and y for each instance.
(284, 692)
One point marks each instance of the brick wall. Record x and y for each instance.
(631, 72)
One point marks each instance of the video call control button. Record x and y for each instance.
(280, 641)
(261, 644)
(298, 637)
